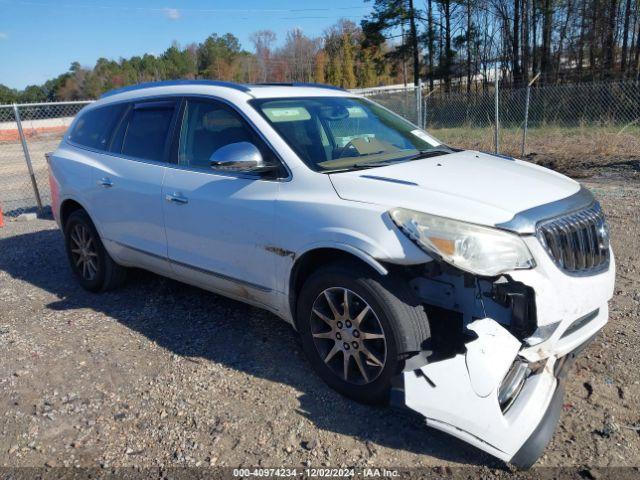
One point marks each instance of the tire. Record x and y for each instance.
(99, 272)
(393, 312)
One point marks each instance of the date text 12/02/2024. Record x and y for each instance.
(316, 472)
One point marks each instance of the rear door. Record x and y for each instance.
(128, 183)
(219, 224)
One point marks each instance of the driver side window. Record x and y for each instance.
(208, 126)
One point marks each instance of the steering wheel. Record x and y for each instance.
(349, 147)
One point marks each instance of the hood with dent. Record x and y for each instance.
(470, 186)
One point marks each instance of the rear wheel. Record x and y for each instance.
(93, 267)
(357, 329)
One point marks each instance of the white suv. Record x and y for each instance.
(457, 283)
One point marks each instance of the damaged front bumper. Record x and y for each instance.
(500, 391)
(460, 396)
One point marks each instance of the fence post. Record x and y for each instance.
(425, 99)
(27, 157)
(424, 112)
(526, 115)
(419, 104)
(496, 136)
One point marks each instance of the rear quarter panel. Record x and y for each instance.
(70, 177)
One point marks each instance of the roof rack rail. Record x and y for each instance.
(169, 83)
(300, 84)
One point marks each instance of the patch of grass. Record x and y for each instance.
(570, 150)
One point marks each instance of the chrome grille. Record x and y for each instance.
(578, 242)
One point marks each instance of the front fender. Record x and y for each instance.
(330, 238)
(361, 250)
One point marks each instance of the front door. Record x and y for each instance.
(219, 225)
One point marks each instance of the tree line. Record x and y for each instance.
(339, 57)
(448, 44)
(461, 43)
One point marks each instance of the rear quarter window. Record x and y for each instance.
(94, 128)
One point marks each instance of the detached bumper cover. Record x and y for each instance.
(459, 396)
(541, 436)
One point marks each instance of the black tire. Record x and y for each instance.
(107, 274)
(402, 319)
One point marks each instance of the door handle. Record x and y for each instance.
(176, 197)
(105, 182)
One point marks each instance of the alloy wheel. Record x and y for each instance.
(348, 335)
(83, 252)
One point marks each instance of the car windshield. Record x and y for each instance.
(341, 133)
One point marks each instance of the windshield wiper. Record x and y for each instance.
(435, 152)
(382, 163)
(353, 167)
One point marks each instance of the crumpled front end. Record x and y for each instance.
(493, 374)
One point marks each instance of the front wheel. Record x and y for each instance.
(357, 329)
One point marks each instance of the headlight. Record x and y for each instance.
(476, 249)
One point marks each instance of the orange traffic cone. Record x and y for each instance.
(1, 218)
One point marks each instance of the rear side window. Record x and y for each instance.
(93, 129)
(146, 130)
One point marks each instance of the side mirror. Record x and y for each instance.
(238, 157)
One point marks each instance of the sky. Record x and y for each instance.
(39, 39)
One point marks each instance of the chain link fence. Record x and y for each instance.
(403, 100)
(595, 124)
(27, 132)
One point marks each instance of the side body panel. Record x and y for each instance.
(219, 238)
(125, 200)
(309, 215)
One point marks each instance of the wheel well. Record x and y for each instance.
(66, 209)
(309, 262)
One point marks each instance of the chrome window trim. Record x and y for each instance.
(525, 222)
(157, 163)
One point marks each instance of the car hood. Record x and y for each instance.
(469, 186)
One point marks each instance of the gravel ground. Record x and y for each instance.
(161, 374)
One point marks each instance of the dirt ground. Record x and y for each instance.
(161, 374)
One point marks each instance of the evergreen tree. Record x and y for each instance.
(320, 64)
(348, 79)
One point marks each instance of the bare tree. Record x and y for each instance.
(263, 41)
(547, 28)
(517, 73)
(609, 50)
(299, 51)
(625, 36)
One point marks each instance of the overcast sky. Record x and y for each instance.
(39, 39)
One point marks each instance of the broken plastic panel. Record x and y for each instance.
(460, 394)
